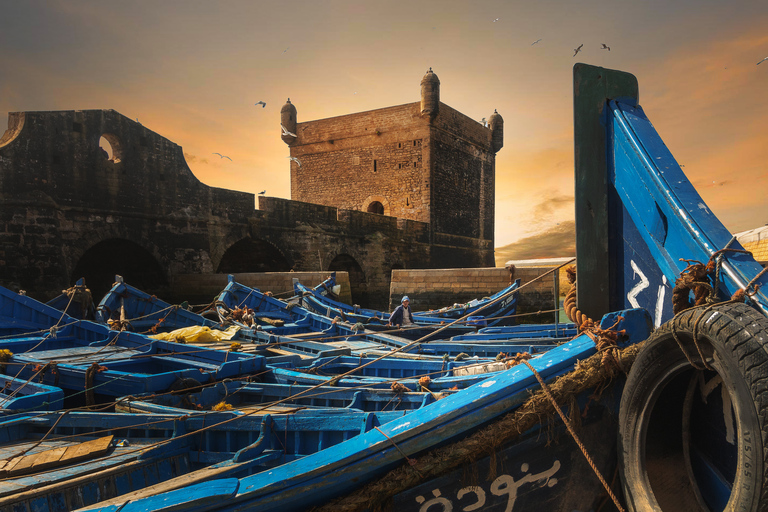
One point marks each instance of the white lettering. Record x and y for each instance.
(642, 285)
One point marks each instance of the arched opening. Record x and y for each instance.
(250, 255)
(358, 284)
(139, 268)
(376, 207)
(109, 145)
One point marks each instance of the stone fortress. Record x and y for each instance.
(403, 187)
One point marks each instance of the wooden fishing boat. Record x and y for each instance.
(83, 356)
(127, 307)
(76, 302)
(243, 397)
(499, 309)
(64, 461)
(21, 395)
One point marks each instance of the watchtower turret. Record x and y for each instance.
(496, 124)
(288, 122)
(430, 94)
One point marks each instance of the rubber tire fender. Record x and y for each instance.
(732, 338)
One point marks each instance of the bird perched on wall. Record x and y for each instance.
(606, 47)
(295, 160)
(223, 156)
(286, 132)
(262, 192)
(262, 103)
(765, 59)
(577, 50)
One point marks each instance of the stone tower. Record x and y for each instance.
(421, 161)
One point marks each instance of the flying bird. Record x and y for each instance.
(223, 156)
(286, 132)
(295, 160)
(263, 104)
(497, 19)
(286, 50)
(577, 50)
(765, 59)
(606, 47)
(262, 192)
(536, 41)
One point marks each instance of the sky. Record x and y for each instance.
(193, 71)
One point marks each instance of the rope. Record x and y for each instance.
(410, 461)
(575, 436)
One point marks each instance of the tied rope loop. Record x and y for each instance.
(581, 320)
(90, 398)
(606, 340)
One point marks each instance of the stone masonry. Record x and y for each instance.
(68, 209)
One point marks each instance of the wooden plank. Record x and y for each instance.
(58, 457)
(50, 456)
(593, 87)
(88, 449)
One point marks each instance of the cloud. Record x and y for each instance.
(551, 204)
(558, 241)
(192, 159)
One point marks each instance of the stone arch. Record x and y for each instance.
(110, 147)
(99, 264)
(253, 255)
(358, 282)
(378, 203)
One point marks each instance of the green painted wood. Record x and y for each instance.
(593, 87)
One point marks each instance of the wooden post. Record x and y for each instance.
(596, 252)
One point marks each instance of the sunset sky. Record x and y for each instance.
(192, 71)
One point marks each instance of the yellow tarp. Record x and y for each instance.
(197, 334)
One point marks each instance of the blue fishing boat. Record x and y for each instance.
(126, 307)
(499, 309)
(692, 412)
(65, 461)
(243, 397)
(18, 394)
(75, 301)
(43, 344)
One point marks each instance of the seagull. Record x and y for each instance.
(295, 160)
(263, 104)
(577, 50)
(262, 192)
(223, 156)
(765, 59)
(606, 47)
(286, 132)
(536, 41)
(286, 50)
(497, 19)
(484, 123)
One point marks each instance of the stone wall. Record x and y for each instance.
(352, 160)
(70, 210)
(463, 176)
(437, 288)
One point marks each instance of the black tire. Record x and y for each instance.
(680, 443)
